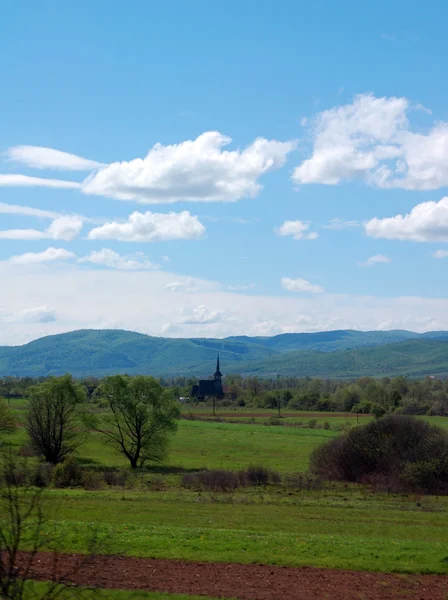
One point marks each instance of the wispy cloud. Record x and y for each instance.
(374, 260)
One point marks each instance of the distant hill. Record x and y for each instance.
(338, 354)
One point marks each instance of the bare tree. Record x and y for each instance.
(142, 416)
(53, 425)
(22, 521)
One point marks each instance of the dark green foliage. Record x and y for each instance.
(400, 451)
(7, 422)
(53, 424)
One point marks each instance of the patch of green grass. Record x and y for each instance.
(116, 594)
(337, 528)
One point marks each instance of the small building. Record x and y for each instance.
(209, 388)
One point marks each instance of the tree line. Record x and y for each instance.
(363, 395)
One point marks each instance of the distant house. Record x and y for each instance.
(209, 388)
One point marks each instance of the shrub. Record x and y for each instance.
(42, 475)
(116, 478)
(216, 480)
(68, 474)
(258, 475)
(401, 450)
(312, 423)
(327, 425)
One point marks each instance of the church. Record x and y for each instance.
(207, 388)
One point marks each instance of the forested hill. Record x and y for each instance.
(333, 354)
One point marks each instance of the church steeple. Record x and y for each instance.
(218, 373)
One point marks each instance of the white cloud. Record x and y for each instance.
(199, 315)
(427, 222)
(374, 260)
(38, 314)
(27, 211)
(191, 285)
(297, 230)
(341, 224)
(108, 258)
(94, 298)
(371, 139)
(63, 228)
(39, 157)
(195, 170)
(241, 287)
(49, 255)
(441, 254)
(151, 227)
(9, 180)
(300, 285)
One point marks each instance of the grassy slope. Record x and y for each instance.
(90, 352)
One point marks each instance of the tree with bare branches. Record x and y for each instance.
(53, 418)
(24, 533)
(142, 416)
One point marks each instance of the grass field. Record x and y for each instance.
(338, 527)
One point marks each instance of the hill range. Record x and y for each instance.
(331, 354)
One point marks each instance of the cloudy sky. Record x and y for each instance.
(209, 169)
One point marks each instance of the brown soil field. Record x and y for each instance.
(244, 582)
(311, 415)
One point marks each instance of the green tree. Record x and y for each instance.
(53, 418)
(142, 416)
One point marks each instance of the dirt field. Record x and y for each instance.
(245, 582)
(308, 415)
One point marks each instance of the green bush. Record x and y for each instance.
(404, 452)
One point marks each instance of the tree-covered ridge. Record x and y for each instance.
(333, 354)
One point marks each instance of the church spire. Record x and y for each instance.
(218, 373)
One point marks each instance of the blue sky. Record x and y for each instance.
(290, 138)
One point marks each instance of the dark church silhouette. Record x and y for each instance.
(209, 387)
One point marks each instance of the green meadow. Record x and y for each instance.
(338, 526)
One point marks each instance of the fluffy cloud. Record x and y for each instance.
(151, 227)
(108, 258)
(300, 285)
(49, 255)
(63, 228)
(297, 230)
(427, 222)
(199, 315)
(195, 170)
(10, 180)
(374, 260)
(441, 254)
(39, 157)
(371, 139)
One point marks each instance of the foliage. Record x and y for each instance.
(7, 422)
(403, 451)
(142, 416)
(337, 354)
(53, 413)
